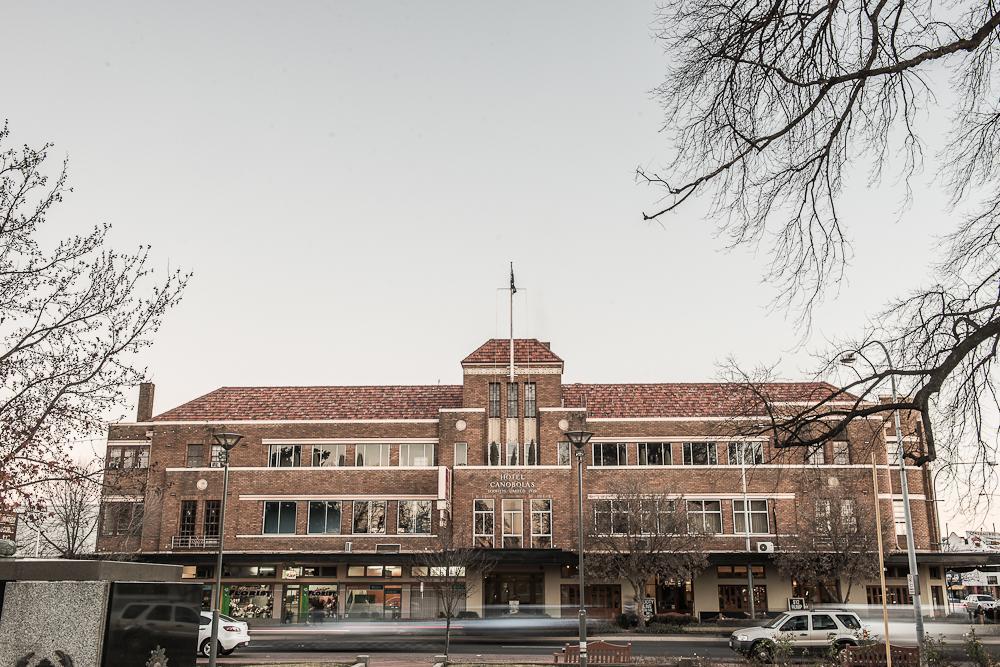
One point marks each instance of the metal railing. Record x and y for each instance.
(194, 542)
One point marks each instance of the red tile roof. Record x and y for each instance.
(309, 403)
(526, 351)
(695, 399)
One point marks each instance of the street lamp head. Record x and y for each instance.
(848, 359)
(227, 440)
(579, 438)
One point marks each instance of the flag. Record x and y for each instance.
(513, 290)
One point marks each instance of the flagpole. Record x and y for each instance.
(512, 291)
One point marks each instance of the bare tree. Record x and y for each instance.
(451, 571)
(640, 536)
(770, 106)
(72, 318)
(832, 537)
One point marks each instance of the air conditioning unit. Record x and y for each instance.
(765, 547)
(347, 547)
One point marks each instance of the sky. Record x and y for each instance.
(348, 182)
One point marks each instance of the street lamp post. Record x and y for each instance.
(227, 441)
(579, 440)
(911, 551)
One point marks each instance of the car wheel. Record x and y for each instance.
(206, 649)
(761, 652)
(841, 645)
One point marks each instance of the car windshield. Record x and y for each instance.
(986, 598)
(777, 621)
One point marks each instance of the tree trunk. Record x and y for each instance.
(447, 635)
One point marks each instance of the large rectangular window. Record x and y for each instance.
(189, 518)
(700, 454)
(125, 457)
(530, 401)
(414, 517)
(324, 517)
(369, 454)
(327, 456)
(284, 456)
(816, 456)
(704, 516)
(512, 399)
(746, 453)
(610, 454)
(483, 529)
(541, 524)
(121, 518)
(461, 453)
(421, 454)
(756, 511)
(279, 517)
(841, 454)
(610, 517)
(213, 511)
(563, 453)
(494, 408)
(513, 522)
(195, 456)
(654, 454)
(369, 517)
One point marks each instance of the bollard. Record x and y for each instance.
(361, 660)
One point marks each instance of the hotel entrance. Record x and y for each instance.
(513, 592)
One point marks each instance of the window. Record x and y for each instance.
(324, 517)
(122, 518)
(899, 516)
(195, 456)
(700, 454)
(541, 524)
(512, 399)
(531, 453)
(414, 517)
(326, 456)
(482, 520)
(654, 454)
(740, 572)
(562, 453)
(189, 514)
(279, 517)
(823, 513)
(513, 454)
(704, 516)
(841, 454)
(513, 522)
(757, 514)
(530, 401)
(379, 571)
(371, 455)
(816, 456)
(494, 399)
(850, 622)
(213, 510)
(219, 455)
(284, 456)
(795, 624)
(823, 622)
(848, 517)
(121, 457)
(610, 454)
(746, 453)
(461, 453)
(369, 517)
(421, 454)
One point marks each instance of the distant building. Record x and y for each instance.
(336, 490)
(973, 540)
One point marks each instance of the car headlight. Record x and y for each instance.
(742, 638)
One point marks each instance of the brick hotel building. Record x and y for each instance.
(336, 490)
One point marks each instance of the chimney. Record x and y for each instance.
(144, 411)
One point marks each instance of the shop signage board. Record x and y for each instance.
(8, 526)
(511, 483)
(796, 604)
(648, 608)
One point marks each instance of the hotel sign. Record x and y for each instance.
(8, 526)
(511, 483)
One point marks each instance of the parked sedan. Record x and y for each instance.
(977, 601)
(232, 634)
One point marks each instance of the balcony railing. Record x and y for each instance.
(193, 542)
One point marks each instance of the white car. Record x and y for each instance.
(806, 631)
(232, 634)
(979, 600)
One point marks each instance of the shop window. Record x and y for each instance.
(284, 456)
(704, 516)
(541, 524)
(512, 399)
(461, 453)
(375, 571)
(247, 602)
(746, 453)
(322, 601)
(324, 517)
(494, 407)
(700, 454)
(420, 454)
(841, 454)
(733, 598)
(195, 456)
(513, 523)
(126, 457)
(213, 508)
(896, 595)
(654, 454)
(482, 519)
(369, 517)
(246, 571)
(329, 456)
(372, 455)
(610, 454)
(279, 517)
(530, 401)
(414, 517)
(189, 514)
(756, 512)
(563, 453)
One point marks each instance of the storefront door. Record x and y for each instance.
(733, 598)
(511, 592)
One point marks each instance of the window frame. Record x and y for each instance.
(493, 400)
(188, 459)
(282, 504)
(748, 513)
(546, 511)
(519, 524)
(711, 453)
(370, 504)
(409, 447)
(462, 447)
(187, 528)
(338, 453)
(567, 447)
(841, 452)
(513, 400)
(275, 455)
(739, 448)
(415, 518)
(530, 400)
(212, 518)
(642, 453)
(704, 513)
(816, 456)
(620, 449)
(326, 517)
(477, 513)
(383, 448)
